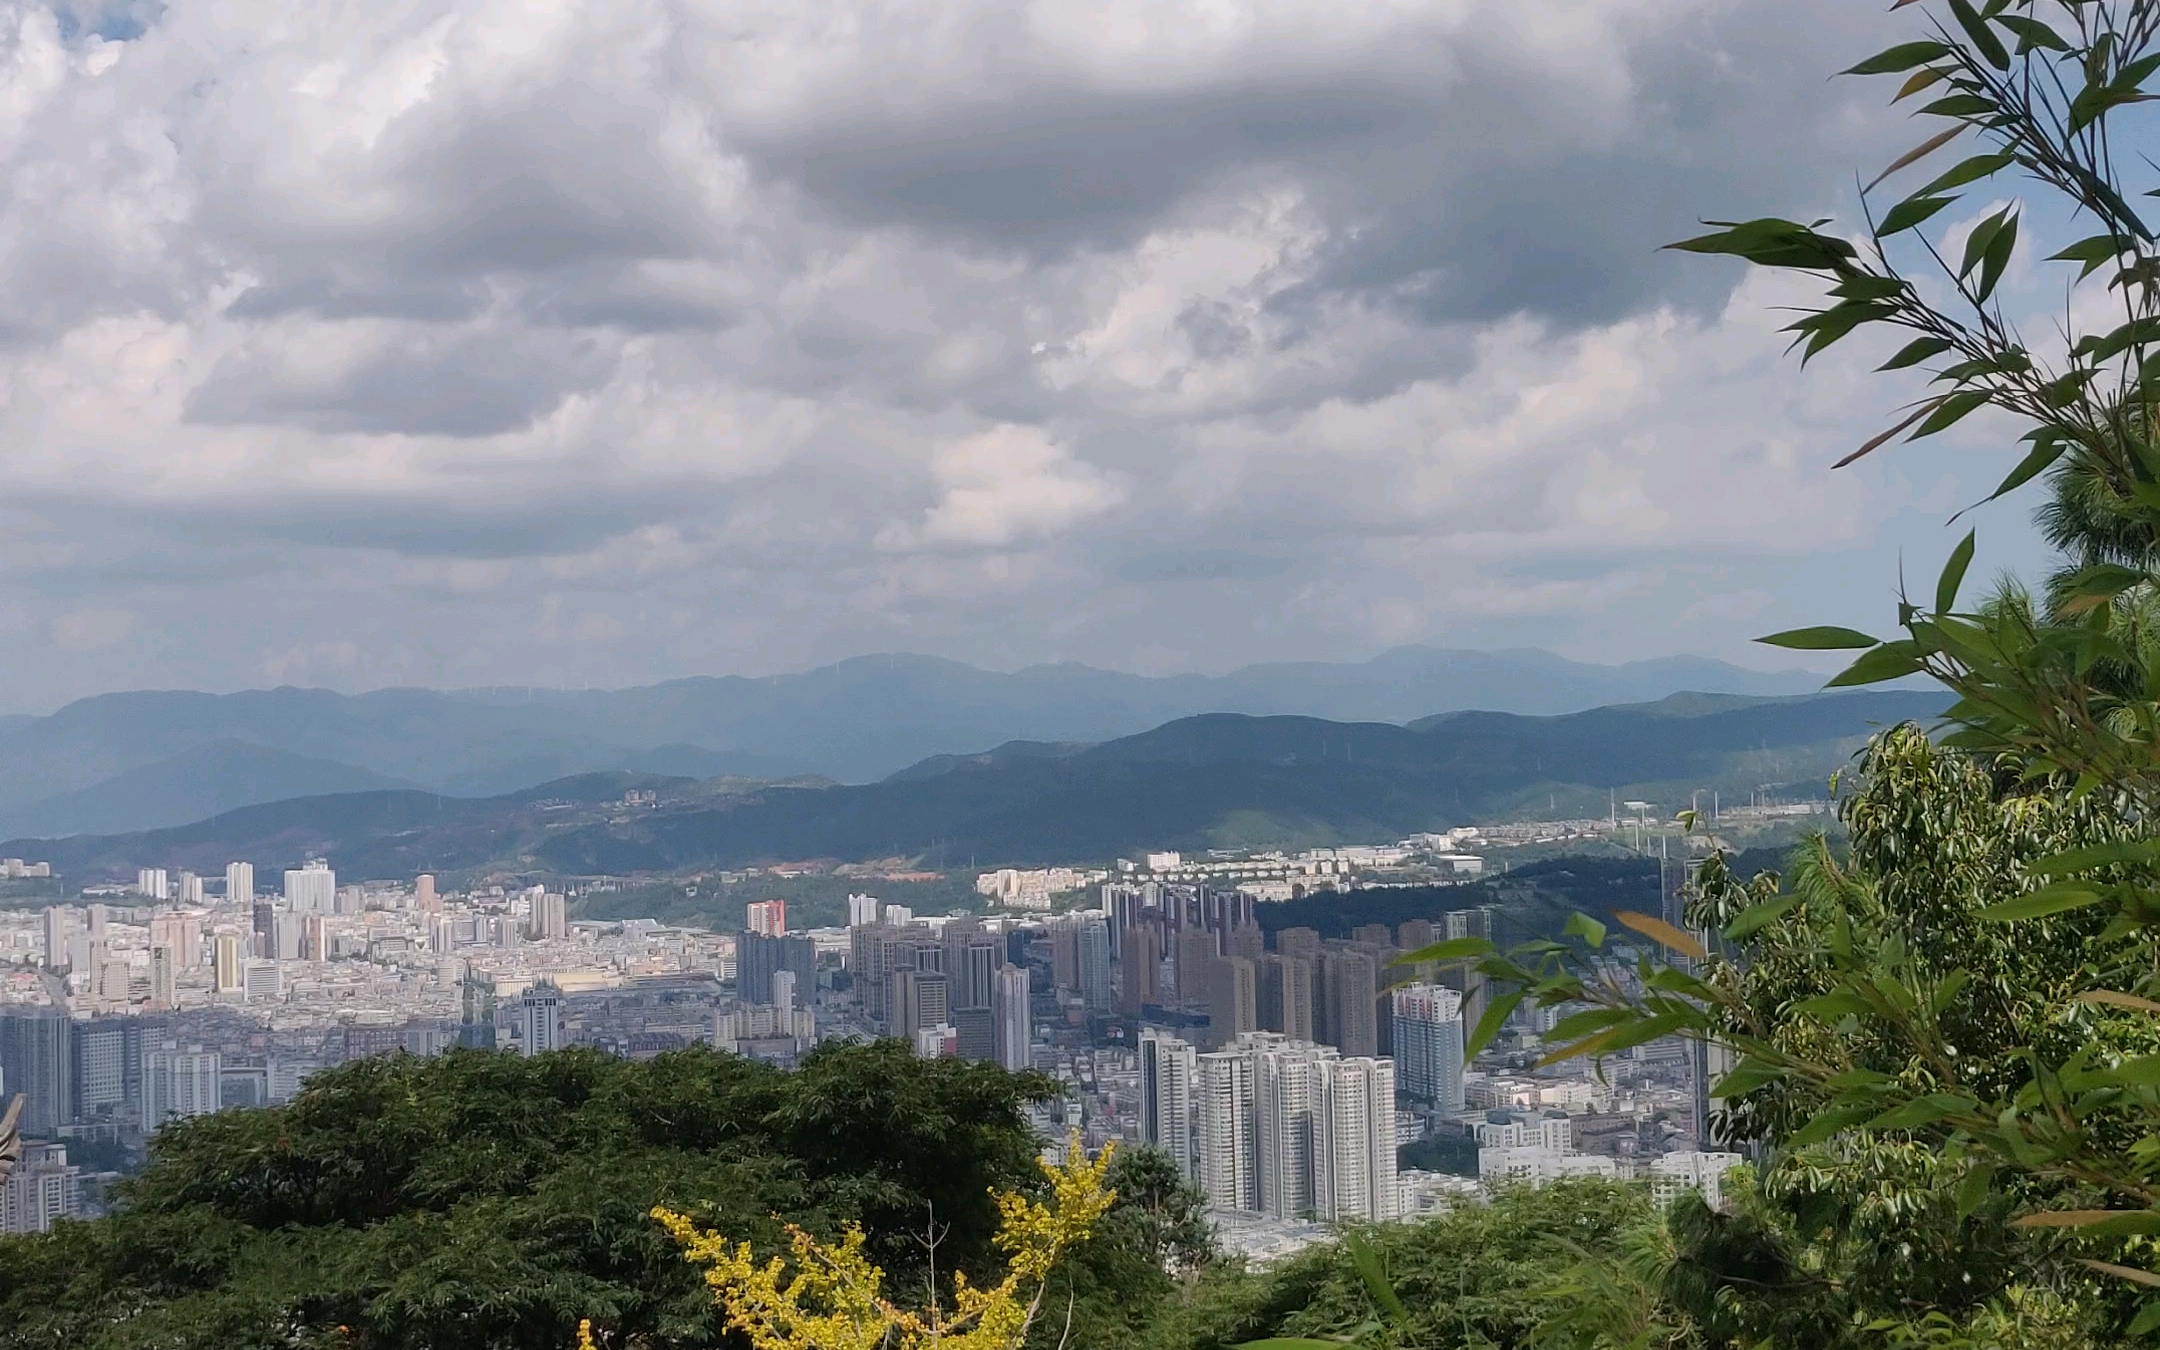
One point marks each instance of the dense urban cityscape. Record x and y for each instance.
(1299, 1082)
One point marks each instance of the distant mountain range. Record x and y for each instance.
(135, 761)
(1214, 781)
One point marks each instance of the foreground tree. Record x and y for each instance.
(488, 1202)
(1971, 1001)
(833, 1297)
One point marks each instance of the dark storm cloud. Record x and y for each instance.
(1460, 180)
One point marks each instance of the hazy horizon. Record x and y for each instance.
(1771, 667)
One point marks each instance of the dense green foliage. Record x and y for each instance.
(1947, 1045)
(481, 1200)
(1480, 1276)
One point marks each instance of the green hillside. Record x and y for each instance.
(1221, 780)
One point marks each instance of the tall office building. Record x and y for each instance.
(766, 918)
(314, 937)
(85, 955)
(1293, 1130)
(1227, 1128)
(1353, 1141)
(1169, 1086)
(1429, 1045)
(265, 928)
(1352, 979)
(37, 1060)
(164, 977)
(1233, 1001)
(59, 924)
(288, 935)
(226, 963)
(921, 998)
(240, 884)
(758, 955)
(1303, 942)
(973, 958)
(107, 1059)
(540, 1023)
(1012, 1031)
(1286, 995)
(182, 933)
(783, 992)
(1195, 953)
(424, 897)
(1140, 954)
(1471, 923)
(311, 889)
(178, 1084)
(1094, 945)
(1284, 1075)
(551, 916)
(1065, 955)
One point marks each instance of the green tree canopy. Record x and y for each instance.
(489, 1202)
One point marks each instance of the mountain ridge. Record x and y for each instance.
(1217, 780)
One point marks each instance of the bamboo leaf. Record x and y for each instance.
(2114, 999)
(1756, 917)
(2041, 458)
(1969, 171)
(2063, 1218)
(1953, 575)
(1949, 411)
(2131, 1273)
(1912, 211)
(1662, 933)
(1904, 56)
(1982, 236)
(1580, 925)
(1983, 38)
(1922, 1111)
(1998, 257)
(1925, 78)
(1881, 438)
(2095, 252)
(2041, 903)
(1454, 949)
(1972, 1191)
(1890, 661)
(1918, 153)
(1825, 1123)
(1772, 243)
(1818, 639)
(1496, 1015)
(1916, 351)
(1745, 1077)
(2032, 34)
(1588, 1022)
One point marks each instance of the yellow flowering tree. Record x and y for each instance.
(832, 1297)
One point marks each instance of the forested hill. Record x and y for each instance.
(1220, 780)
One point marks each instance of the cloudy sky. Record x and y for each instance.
(369, 342)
